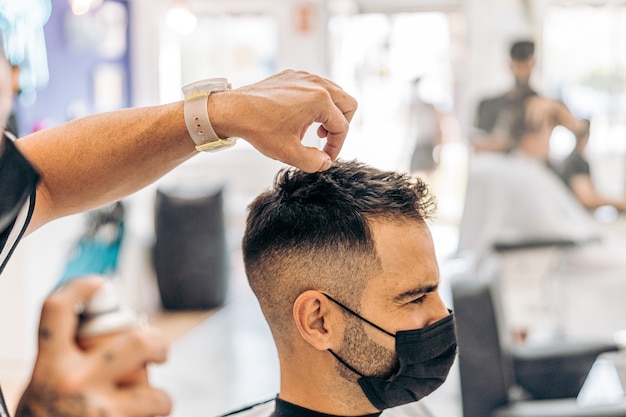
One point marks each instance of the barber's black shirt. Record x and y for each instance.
(18, 180)
(575, 164)
(499, 111)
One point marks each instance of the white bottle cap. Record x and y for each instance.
(104, 315)
(104, 301)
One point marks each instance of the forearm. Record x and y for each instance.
(92, 161)
(564, 117)
(490, 143)
(99, 159)
(585, 191)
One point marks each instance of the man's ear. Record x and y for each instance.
(316, 321)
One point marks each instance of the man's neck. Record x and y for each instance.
(315, 385)
(520, 89)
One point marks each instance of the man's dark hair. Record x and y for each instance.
(522, 50)
(313, 231)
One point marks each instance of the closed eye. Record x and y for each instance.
(415, 295)
(419, 300)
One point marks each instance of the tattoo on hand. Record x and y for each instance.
(42, 403)
(45, 334)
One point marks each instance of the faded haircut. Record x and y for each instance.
(312, 231)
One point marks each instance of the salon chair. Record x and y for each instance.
(501, 381)
(551, 252)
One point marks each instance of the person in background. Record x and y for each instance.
(425, 132)
(532, 125)
(87, 163)
(576, 174)
(495, 114)
(343, 266)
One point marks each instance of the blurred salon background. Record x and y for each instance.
(420, 69)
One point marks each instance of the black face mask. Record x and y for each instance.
(425, 357)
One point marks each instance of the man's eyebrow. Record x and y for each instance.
(415, 292)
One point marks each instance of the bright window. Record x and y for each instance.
(584, 64)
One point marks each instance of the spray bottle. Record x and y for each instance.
(103, 319)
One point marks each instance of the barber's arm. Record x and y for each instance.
(542, 111)
(584, 189)
(70, 382)
(95, 160)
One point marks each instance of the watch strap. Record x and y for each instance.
(197, 120)
(197, 116)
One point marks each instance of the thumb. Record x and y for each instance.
(311, 159)
(59, 315)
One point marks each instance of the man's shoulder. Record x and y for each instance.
(265, 408)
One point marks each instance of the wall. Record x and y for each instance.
(73, 64)
(297, 49)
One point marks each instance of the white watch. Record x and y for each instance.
(197, 116)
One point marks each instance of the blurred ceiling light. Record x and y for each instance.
(343, 7)
(180, 18)
(80, 7)
(21, 25)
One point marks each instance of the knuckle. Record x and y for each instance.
(163, 401)
(149, 340)
(52, 304)
(321, 95)
(69, 382)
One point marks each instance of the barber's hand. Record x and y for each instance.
(70, 382)
(274, 114)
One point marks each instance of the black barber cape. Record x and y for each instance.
(280, 408)
(18, 180)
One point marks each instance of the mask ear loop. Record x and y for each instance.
(359, 316)
(346, 364)
(354, 313)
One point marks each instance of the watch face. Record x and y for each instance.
(206, 86)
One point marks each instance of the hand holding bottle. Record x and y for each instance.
(71, 381)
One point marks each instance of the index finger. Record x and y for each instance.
(344, 101)
(59, 314)
(335, 122)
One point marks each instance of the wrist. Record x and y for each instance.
(217, 104)
(197, 114)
